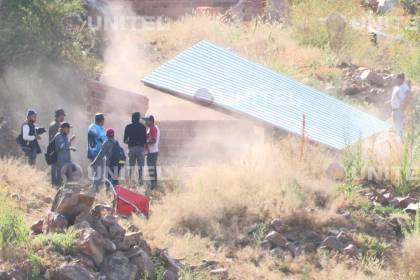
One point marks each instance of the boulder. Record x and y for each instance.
(412, 208)
(131, 239)
(109, 246)
(116, 232)
(170, 275)
(169, 262)
(335, 171)
(70, 272)
(373, 78)
(276, 239)
(37, 227)
(132, 228)
(332, 243)
(402, 202)
(56, 222)
(277, 225)
(144, 264)
(351, 250)
(220, 273)
(118, 267)
(102, 210)
(90, 243)
(72, 200)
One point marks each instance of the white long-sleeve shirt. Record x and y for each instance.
(25, 133)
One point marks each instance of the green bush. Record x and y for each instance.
(62, 243)
(36, 265)
(13, 230)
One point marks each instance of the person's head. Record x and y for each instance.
(150, 121)
(59, 115)
(31, 116)
(65, 128)
(99, 119)
(400, 79)
(110, 133)
(135, 117)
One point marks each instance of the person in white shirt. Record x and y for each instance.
(399, 101)
(29, 136)
(152, 149)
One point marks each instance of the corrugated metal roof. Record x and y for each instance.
(238, 85)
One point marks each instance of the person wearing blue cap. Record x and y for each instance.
(29, 136)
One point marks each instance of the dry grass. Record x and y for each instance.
(26, 187)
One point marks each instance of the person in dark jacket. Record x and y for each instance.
(135, 137)
(29, 137)
(63, 148)
(104, 160)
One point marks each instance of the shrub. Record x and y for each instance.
(36, 265)
(13, 230)
(62, 243)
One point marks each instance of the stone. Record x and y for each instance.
(56, 222)
(37, 227)
(85, 216)
(109, 246)
(72, 200)
(131, 239)
(336, 25)
(169, 262)
(412, 208)
(132, 228)
(170, 275)
(70, 272)
(266, 245)
(118, 267)
(351, 250)
(373, 78)
(90, 243)
(335, 171)
(102, 210)
(402, 202)
(116, 232)
(221, 273)
(276, 239)
(277, 225)
(332, 243)
(109, 220)
(143, 263)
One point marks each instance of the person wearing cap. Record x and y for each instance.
(63, 148)
(104, 160)
(55, 124)
(96, 136)
(152, 146)
(29, 136)
(135, 137)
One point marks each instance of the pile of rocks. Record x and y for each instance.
(103, 248)
(409, 203)
(282, 242)
(372, 86)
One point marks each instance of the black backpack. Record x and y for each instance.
(118, 157)
(51, 154)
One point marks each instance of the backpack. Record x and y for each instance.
(51, 154)
(118, 157)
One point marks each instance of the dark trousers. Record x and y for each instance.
(136, 156)
(30, 154)
(152, 167)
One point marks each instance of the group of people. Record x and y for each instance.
(104, 152)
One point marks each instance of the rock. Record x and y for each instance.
(373, 77)
(85, 216)
(335, 171)
(131, 239)
(277, 225)
(116, 232)
(4, 275)
(132, 228)
(279, 9)
(109, 220)
(169, 262)
(266, 245)
(91, 243)
(412, 208)
(351, 250)
(102, 210)
(37, 227)
(56, 222)
(276, 239)
(72, 200)
(143, 263)
(170, 275)
(70, 272)
(402, 202)
(332, 243)
(221, 273)
(109, 246)
(118, 267)
(336, 25)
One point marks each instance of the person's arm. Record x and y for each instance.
(25, 133)
(126, 138)
(100, 155)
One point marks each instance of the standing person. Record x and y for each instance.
(63, 148)
(96, 137)
(53, 129)
(399, 102)
(109, 159)
(135, 137)
(28, 137)
(153, 138)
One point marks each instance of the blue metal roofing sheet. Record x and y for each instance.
(241, 86)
